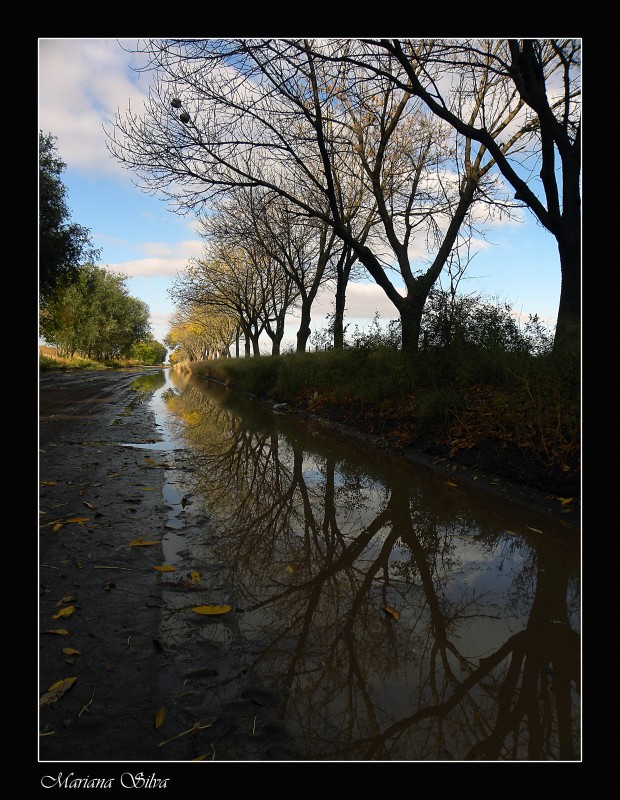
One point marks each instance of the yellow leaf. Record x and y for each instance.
(195, 576)
(536, 530)
(566, 500)
(57, 527)
(49, 483)
(79, 520)
(66, 599)
(288, 569)
(141, 542)
(160, 717)
(56, 691)
(89, 505)
(71, 651)
(212, 609)
(391, 611)
(61, 631)
(449, 483)
(64, 612)
(147, 488)
(165, 568)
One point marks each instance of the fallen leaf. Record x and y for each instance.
(212, 609)
(160, 717)
(449, 483)
(195, 576)
(165, 568)
(56, 691)
(89, 505)
(71, 651)
(391, 611)
(141, 542)
(288, 569)
(60, 631)
(536, 530)
(66, 599)
(147, 488)
(57, 527)
(566, 500)
(64, 612)
(79, 520)
(49, 483)
(197, 726)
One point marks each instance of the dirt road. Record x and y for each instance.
(118, 683)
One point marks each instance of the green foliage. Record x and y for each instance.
(95, 317)
(63, 245)
(149, 352)
(458, 321)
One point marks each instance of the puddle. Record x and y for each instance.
(400, 617)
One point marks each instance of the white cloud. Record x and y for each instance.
(160, 323)
(149, 267)
(82, 84)
(163, 259)
(363, 300)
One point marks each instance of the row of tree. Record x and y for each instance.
(307, 159)
(84, 309)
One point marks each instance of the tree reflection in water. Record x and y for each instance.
(319, 538)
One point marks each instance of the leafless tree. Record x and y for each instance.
(336, 140)
(535, 142)
(227, 281)
(233, 224)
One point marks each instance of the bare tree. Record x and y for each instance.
(537, 82)
(227, 281)
(234, 224)
(304, 249)
(273, 114)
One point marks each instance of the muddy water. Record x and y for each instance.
(393, 614)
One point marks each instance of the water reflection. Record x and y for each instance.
(322, 542)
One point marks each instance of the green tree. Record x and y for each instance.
(63, 245)
(149, 353)
(95, 316)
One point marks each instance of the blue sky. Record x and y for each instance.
(83, 82)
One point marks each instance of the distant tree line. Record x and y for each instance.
(83, 308)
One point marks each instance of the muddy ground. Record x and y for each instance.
(142, 694)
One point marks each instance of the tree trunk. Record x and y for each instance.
(411, 323)
(568, 327)
(303, 334)
(340, 300)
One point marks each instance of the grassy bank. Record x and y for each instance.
(512, 414)
(49, 360)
